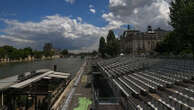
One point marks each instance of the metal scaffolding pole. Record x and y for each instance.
(2, 99)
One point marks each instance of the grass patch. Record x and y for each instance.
(83, 103)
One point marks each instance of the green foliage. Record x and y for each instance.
(8, 51)
(171, 44)
(15, 54)
(111, 36)
(64, 52)
(182, 15)
(181, 40)
(27, 51)
(48, 49)
(2, 52)
(112, 47)
(186, 52)
(37, 54)
(102, 46)
(83, 103)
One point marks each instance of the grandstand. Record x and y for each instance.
(150, 83)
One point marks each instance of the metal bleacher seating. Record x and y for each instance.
(140, 77)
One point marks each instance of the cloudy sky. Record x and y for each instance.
(75, 24)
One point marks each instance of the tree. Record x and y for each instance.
(48, 49)
(171, 44)
(111, 36)
(37, 54)
(113, 47)
(27, 51)
(102, 46)
(116, 47)
(182, 15)
(10, 50)
(64, 52)
(15, 54)
(2, 52)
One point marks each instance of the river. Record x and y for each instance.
(70, 65)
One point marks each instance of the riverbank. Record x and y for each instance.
(27, 59)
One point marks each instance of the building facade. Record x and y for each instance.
(136, 42)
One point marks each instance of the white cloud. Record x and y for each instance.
(114, 3)
(63, 32)
(139, 13)
(15, 39)
(91, 6)
(79, 19)
(70, 1)
(114, 22)
(74, 34)
(135, 11)
(93, 10)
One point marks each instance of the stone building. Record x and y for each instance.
(136, 42)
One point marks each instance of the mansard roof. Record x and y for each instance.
(136, 34)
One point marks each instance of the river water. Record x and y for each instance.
(70, 65)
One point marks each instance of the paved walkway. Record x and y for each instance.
(83, 90)
(63, 101)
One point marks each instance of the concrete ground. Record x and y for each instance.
(81, 91)
(65, 98)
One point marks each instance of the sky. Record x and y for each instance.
(76, 25)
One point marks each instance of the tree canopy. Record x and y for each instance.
(64, 52)
(111, 36)
(48, 49)
(102, 46)
(16, 54)
(111, 47)
(182, 20)
(13, 53)
(181, 39)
